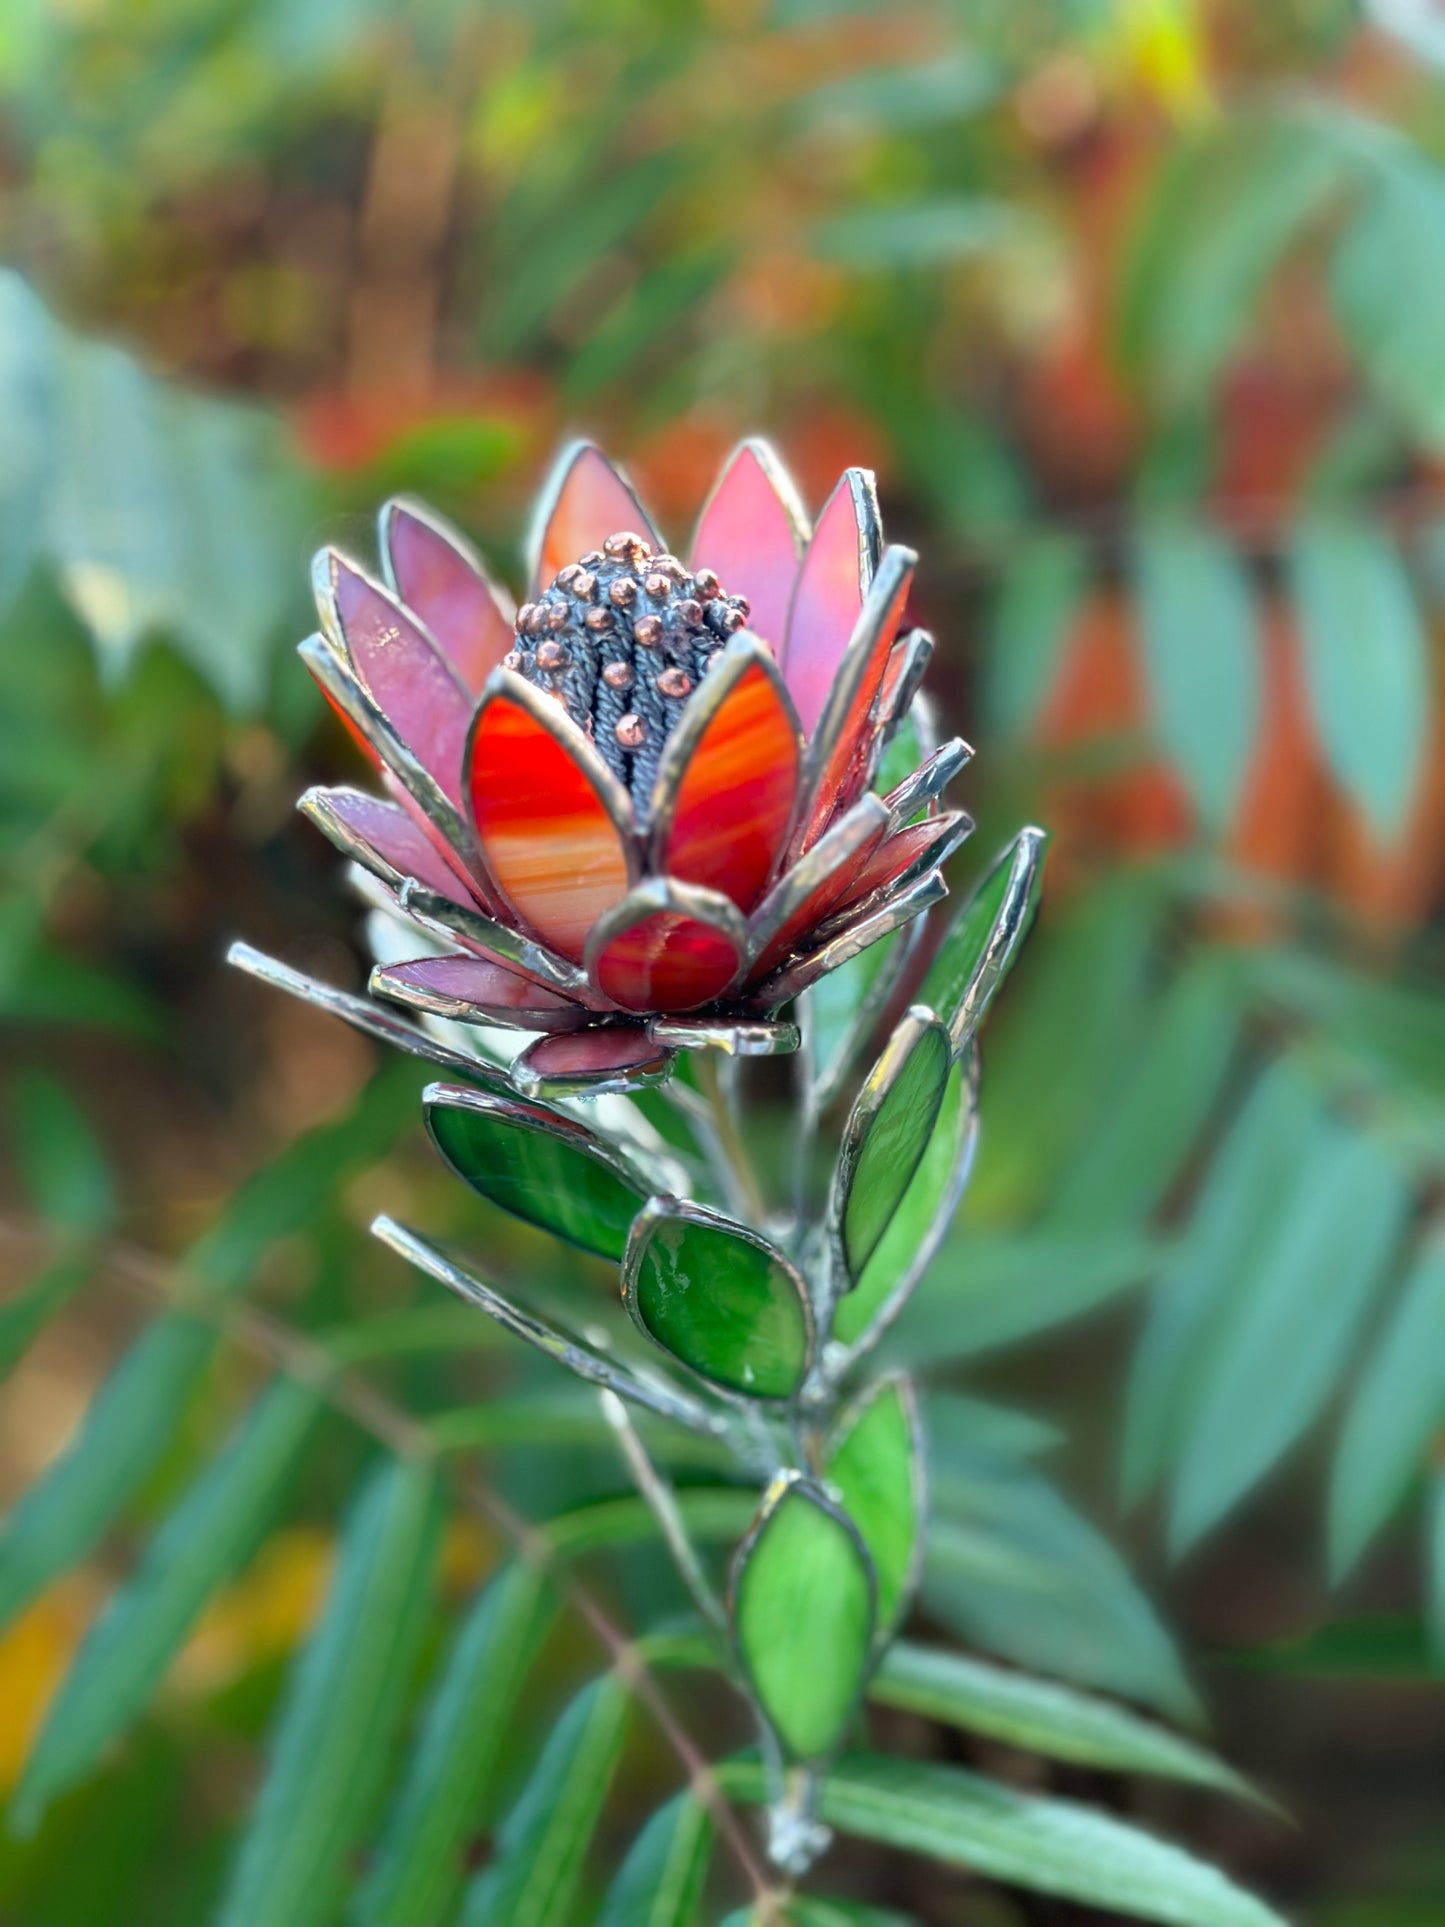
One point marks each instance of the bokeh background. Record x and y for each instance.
(1138, 309)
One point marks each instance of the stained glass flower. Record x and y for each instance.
(640, 812)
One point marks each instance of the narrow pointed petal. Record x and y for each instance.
(850, 942)
(727, 785)
(927, 782)
(733, 1036)
(476, 990)
(436, 572)
(834, 749)
(751, 535)
(668, 947)
(907, 666)
(802, 898)
(447, 920)
(611, 1057)
(904, 857)
(382, 837)
(584, 502)
(553, 825)
(834, 578)
(412, 682)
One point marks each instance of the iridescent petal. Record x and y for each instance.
(476, 990)
(383, 837)
(727, 784)
(832, 582)
(435, 571)
(412, 682)
(611, 1057)
(834, 748)
(584, 502)
(669, 946)
(553, 824)
(751, 535)
(904, 856)
(801, 899)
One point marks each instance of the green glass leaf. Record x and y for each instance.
(660, 1882)
(886, 1135)
(921, 1219)
(532, 1881)
(203, 1541)
(718, 1297)
(875, 1462)
(1396, 1412)
(343, 1705)
(803, 1613)
(420, 1860)
(1050, 1846)
(984, 938)
(539, 1165)
(1041, 1716)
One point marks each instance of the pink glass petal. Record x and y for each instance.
(727, 818)
(434, 572)
(411, 681)
(751, 535)
(550, 820)
(834, 751)
(832, 582)
(585, 502)
(601, 1055)
(476, 990)
(359, 824)
(667, 961)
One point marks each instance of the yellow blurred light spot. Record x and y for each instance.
(1162, 47)
(35, 1655)
(266, 1613)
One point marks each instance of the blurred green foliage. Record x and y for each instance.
(1139, 309)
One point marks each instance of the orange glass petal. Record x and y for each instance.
(735, 801)
(749, 537)
(434, 575)
(832, 887)
(546, 836)
(905, 855)
(829, 595)
(591, 502)
(668, 961)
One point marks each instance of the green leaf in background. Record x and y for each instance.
(875, 1462)
(1303, 1296)
(1037, 601)
(1011, 1566)
(1396, 1412)
(803, 1614)
(1193, 1299)
(660, 1882)
(540, 1166)
(533, 1878)
(822, 1910)
(1366, 661)
(936, 92)
(419, 1864)
(27, 407)
(912, 1237)
(27, 1312)
(202, 1543)
(887, 1134)
(719, 1297)
(1041, 1716)
(1388, 288)
(1435, 1568)
(919, 233)
(61, 1160)
(1201, 645)
(984, 938)
(344, 1700)
(1043, 1845)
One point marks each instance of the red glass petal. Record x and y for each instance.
(751, 535)
(437, 574)
(383, 837)
(846, 719)
(585, 501)
(728, 782)
(611, 1056)
(670, 946)
(906, 855)
(412, 682)
(832, 583)
(476, 990)
(552, 823)
(801, 900)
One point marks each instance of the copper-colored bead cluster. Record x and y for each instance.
(625, 622)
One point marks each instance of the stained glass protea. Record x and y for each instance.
(638, 811)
